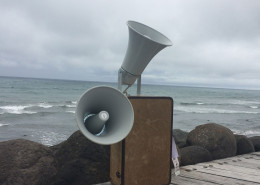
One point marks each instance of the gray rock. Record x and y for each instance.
(256, 142)
(180, 137)
(244, 146)
(81, 162)
(217, 139)
(24, 162)
(238, 137)
(194, 154)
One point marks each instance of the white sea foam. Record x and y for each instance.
(205, 110)
(253, 107)
(246, 132)
(70, 111)
(251, 132)
(242, 102)
(3, 124)
(16, 109)
(70, 106)
(74, 102)
(23, 109)
(45, 105)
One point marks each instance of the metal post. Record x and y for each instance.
(119, 85)
(139, 85)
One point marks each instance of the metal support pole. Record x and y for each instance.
(119, 83)
(139, 85)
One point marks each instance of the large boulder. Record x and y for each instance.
(180, 137)
(217, 139)
(244, 145)
(24, 162)
(238, 137)
(81, 162)
(194, 154)
(256, 142)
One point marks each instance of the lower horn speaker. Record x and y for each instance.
(104, 115)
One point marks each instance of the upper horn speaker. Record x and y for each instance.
(143, 44)
(104, 115)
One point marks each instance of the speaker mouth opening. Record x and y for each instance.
(149, 33)
(86, 116)
(120, 113)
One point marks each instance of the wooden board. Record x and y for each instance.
(205, 178)
(244, 169)
(144, 156)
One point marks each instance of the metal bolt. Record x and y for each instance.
(118, 174)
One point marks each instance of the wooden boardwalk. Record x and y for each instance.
(242, 169)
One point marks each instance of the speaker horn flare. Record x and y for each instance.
(104, 115)
(143, 44)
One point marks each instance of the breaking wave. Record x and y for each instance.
(229, 107)
(16, 109)
(3, 124)
(37, 107)
(187, 104)
(253, 107)
(207, 110)
(248, 133)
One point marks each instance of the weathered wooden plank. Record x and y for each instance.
(247, 160)
(213, 178)
(239, 163)
(247, 163)
(255, 155)
(225, 173)
(249, 155)
(228, 167)
(181, 180)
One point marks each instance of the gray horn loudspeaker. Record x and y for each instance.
(143, 44)
(104, 115)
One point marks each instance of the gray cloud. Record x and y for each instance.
(215, 43)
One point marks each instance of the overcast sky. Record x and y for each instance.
(216, 43)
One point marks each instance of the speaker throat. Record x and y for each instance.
(96, 123)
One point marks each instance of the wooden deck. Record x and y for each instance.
(243, 169)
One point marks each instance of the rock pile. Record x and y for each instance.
(24, 162)
(244, 145)
(78, 161)
(194, 154)
(218, 140)
(213, 141)
(256, 142)
(81, 162)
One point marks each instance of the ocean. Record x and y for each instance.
(43, 110)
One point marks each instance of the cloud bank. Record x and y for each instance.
(215, 43)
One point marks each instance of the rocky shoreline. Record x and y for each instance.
(212, 141)
(78, 161)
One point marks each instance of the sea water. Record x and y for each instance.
(43, 110)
